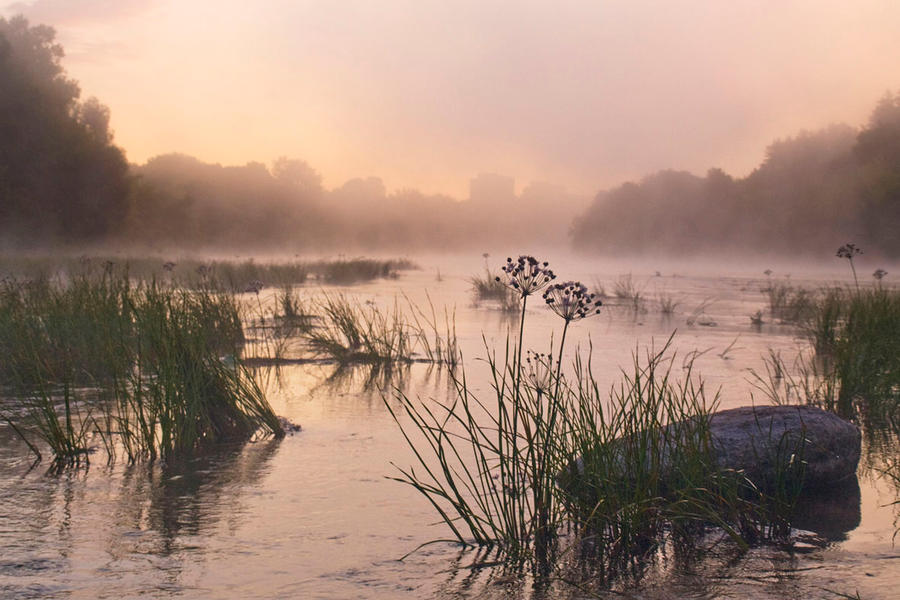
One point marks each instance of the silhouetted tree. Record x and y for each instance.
(878, 152)
(60, 176)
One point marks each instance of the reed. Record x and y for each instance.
(358, 270)
(545, 454)
(788, 304)
(627, 292)
(350, 332)
(667, 303)
(138, 365)
(853, 365)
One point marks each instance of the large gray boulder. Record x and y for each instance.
(757, 439)
(769, 445)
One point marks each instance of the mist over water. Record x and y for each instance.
(687, 163)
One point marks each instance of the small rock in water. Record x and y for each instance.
(288, 426)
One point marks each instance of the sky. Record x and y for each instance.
(427, 94)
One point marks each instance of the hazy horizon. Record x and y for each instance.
(428, 95)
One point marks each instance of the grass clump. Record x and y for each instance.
(349, 332)
(489, 287)
(147, 369)
(788, 304)
(545, 455)
(358, 270)
(629, 294)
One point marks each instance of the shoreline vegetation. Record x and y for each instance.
(154, 365)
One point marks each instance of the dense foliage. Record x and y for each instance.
(61, 178)
(811, 193)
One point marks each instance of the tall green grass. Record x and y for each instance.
(544, 455)
(853, 364)
(350, 332)
(144, 369)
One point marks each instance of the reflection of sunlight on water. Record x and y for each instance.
(314, 515)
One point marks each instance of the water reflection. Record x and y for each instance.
(139, 526)
(831, 513)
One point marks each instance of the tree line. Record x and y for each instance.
(63, 182)
(812, 193)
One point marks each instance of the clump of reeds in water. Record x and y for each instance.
(546, 454)
(357, 270)
(488, 287)
(350, 332)
(144, 369)
(789, 304)
(231, 275)
(630, 295)
(853, 368)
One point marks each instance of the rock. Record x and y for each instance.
(288, 426)
(754, 440)
(761, 441)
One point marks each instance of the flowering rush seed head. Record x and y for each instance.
(571, 300)
(848, 251)
(526, 275)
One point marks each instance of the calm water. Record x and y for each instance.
(313, 516)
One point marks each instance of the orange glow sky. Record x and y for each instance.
(428, 93)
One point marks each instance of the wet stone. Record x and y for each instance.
(758, 440)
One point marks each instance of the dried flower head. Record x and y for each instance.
(526, 275)
(168, 265)
(254, 286)
(539, 373)
(879, 274)
(571, 300)
(848, 251)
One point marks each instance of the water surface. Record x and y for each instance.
(313, 515)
